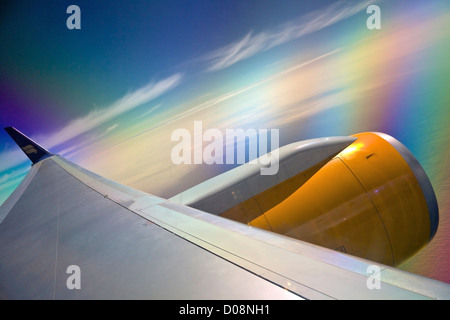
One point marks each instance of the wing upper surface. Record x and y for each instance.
(129, 244)
(59, 222)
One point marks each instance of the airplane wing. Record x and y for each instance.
(67, 233)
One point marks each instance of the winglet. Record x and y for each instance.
(32, 149)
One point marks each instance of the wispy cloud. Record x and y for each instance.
(10, 158)
(13, 174)
(95, 118)
(92, 138)
(98, 117)
(151, 110)
(252, 43)
(213, 102)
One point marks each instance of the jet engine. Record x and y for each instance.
(372, 200)
(365, 195)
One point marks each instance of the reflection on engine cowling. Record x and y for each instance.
(373, 200)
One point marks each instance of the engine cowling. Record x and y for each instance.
(372, 200)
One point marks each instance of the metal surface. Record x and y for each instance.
(366, 202)
(421, 177)
(17, 193)
(60, 221)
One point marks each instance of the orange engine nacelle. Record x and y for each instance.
(373, 200)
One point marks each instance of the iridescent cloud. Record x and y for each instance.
(253, 44)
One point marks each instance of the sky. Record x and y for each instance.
(109, 95)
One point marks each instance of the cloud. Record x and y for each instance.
(12, 175)
(252, 43)
(11, 158)
(114, 126)
(151, 110)
(234, 93)
(70, 151)
(74, 128)
(98, 117)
